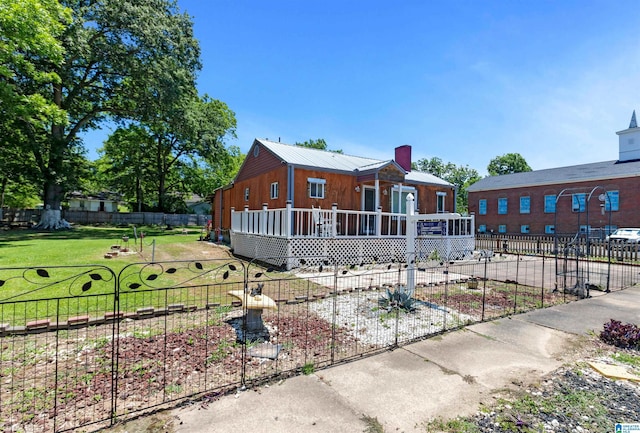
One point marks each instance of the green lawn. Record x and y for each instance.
(80, 246)
(68, 275)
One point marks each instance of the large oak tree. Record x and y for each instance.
(121, 59)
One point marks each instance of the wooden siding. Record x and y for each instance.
(254, 166)
(259, 171)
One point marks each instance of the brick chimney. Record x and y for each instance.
(403, 157)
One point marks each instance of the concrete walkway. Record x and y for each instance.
(400, 390)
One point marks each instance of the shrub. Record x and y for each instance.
(624, 335)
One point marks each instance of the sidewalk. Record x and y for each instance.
(444, 376)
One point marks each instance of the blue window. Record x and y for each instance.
(550, 229)
(549, 204)
(482, 206)
(578, 202)
(482, 228)
(524, 228)
(525, 205)
(611, 201)
(502, 206)
(502, 228)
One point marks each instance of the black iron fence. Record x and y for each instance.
(86, 346)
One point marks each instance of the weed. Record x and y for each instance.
(373, 425)
(451, 426)
(308, 368)
(627, 358)
(220, 352)
(173, 389)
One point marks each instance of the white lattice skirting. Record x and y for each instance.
(287, 253)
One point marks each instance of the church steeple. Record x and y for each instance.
(629, 141)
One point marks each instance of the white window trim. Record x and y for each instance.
(274, 188)
(395, 190)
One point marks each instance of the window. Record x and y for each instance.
(578, 202)
(246, 194)
(440, 196)
(525, 205)
(524, 228)
(482, 206)
(585, 229)
(482, 228)
(316, 187)
(502, 206)
(549, 204)
(274, 190)
(611, 200)
(502, 228)
(550, 229)
(399, 203)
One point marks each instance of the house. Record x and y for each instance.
(101, 202)
(586, 198)
(198, 205)
(274, 174)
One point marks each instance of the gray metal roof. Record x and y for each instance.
(332, 161)
(559, 175)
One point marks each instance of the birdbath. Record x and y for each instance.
(254, 304)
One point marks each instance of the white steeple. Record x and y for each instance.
(629, 141)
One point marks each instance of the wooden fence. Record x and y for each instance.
(30, 217)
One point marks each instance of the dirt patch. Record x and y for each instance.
(195, 250)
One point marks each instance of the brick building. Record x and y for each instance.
(586, 198)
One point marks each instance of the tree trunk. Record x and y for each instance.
(51, 218)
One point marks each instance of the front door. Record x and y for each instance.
(369, 221)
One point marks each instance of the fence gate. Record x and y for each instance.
(571, 273)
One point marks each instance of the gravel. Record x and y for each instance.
(360, 315)
(572, 399)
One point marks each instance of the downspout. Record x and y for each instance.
(455, 199)
(289, 212)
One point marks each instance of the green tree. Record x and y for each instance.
(460, 176)
(125, 165)
(208, 174)
(507, 164)
(196, 130)
(29, 32)
(121, 59)
(320, 143)
(164, 158)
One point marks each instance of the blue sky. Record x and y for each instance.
(464, 81)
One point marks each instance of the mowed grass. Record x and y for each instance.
(68, 275)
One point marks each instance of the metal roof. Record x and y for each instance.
(326, 160)
(559, 175)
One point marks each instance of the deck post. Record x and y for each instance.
(245, 219)
(263, 223)
(334, 220)
(378, 221)
(288, 220)
(411, 245)
(233, 220)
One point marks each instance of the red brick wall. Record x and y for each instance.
(568, 221)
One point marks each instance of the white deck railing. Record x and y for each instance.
(335, 223)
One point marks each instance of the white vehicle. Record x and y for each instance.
(626, 235)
